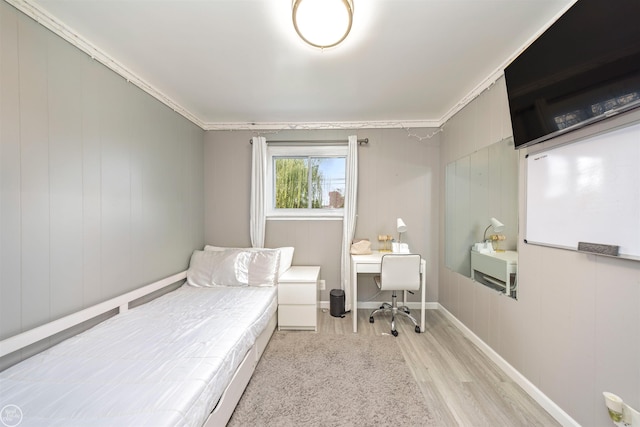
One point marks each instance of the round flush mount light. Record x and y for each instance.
(322, 23)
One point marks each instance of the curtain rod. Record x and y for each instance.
(334, 141)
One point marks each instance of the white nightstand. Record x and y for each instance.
(298, 298)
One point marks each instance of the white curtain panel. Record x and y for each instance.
(349, 221)
(258, 178)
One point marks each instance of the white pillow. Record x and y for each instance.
(230, 267)
(215, 248)
(200, 267)
(219, 268)
(286, 258)
(264, 267)
(286, 255)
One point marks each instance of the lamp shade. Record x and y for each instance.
(322, 23)
(497, 225)
(401, 227)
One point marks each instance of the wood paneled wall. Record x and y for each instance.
(398, 177)
(101, 185)
(574, 331)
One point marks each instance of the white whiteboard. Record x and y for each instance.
(587, 191)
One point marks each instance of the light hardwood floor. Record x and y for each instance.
(459, 383)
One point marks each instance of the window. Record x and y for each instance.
(306, 181)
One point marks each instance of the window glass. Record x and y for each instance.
(307, 181)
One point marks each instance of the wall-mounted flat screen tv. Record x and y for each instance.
(583, 69)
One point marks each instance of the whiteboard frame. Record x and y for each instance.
(631, 118)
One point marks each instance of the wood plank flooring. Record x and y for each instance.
(459, 383)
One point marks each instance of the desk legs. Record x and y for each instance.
(354, 293)
(424, 292)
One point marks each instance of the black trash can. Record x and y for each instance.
(336, 302)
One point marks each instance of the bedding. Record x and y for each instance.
(234, 267)
(164, 363)
(286, 254)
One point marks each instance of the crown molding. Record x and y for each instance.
(490, 80)
(400, 124)
(47, 20)
(59, 28)
(475, 92)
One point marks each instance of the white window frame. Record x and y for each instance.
(312, 150)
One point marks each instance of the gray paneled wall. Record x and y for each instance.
(574, 331)
(101, 185)
(398, 177)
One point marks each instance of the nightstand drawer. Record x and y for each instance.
(297, 293)
(297, 317)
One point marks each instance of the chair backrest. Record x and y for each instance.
(400, 272)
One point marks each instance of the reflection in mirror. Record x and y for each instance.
(480, 188)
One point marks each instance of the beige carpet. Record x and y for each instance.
(331, 380)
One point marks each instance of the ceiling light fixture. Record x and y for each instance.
(322, 23)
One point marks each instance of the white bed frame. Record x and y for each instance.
(233, 392)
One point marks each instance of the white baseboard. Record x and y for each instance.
(533, 391)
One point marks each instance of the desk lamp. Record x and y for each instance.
(401, 227)
(497, 227)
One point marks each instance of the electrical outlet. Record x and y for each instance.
(322, 284)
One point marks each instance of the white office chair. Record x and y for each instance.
(398, 272)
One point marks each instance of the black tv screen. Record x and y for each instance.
(583, 69)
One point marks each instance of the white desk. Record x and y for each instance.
(496, 267)
(371, 264)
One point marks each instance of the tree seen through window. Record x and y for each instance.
(309, 182)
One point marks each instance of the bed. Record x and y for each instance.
(182, 359)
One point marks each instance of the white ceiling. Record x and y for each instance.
(239, 63)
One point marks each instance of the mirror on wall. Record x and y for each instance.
(480, 187)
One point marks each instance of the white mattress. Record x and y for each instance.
(165, 363)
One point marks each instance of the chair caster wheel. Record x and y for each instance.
(394, 333)
(371, 319)
(417, 329)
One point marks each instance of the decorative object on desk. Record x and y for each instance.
(495, 241)
(483, 248)
(386, 240)
(497, 227)
(401, 228)
(400, 248)
(361, 247)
